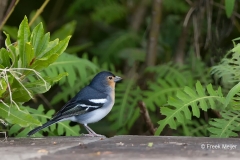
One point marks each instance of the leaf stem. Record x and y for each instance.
(39, 11)
(8, 14)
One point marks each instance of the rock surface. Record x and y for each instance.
(120, 147)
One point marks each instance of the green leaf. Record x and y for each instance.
(11, 30)
(180, 106)
(158, 92)
(23, 38)
(39, 86)
(49, 45)
(231, 94)
(227, 126)
(15, 116)
(18, 131)
(21, 95)
(42, 63)
(29, 51)
(5, 58)
(62, 127)
(194, 127)
(11, 49)
(75, 66)
(229, 6)
(43, 45)
(38, 40)
(3, 87)
(59, 48)
(65, 127)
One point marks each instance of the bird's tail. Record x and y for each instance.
(41, 127)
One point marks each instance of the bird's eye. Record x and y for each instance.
(110, 78)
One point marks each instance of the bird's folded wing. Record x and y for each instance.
(87, 100)
(78, 107)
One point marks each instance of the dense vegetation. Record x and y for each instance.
(179, 63)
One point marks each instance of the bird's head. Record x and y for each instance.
(104, 81)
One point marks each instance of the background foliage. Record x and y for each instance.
(191, 89)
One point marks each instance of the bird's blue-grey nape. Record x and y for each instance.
(101, 76)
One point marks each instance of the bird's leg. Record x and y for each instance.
(5, 135)
(91, 132)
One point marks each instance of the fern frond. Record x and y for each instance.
(61, 127)
(194, 128)
(227, 126)
(181, 73)
(73, 65)
(199, 70)
(169, 79)
(158, 92)
(229, 68)
(180, 106)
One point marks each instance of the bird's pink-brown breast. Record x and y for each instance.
(111, 83)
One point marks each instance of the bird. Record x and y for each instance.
(90, 104)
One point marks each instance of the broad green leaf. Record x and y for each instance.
(49, 47)
(38, 37)
(59, 48)
(11, 30)
(29, 51)
(21, 95)
(15, 116)
(12, 49)
(5, 58)
(42, 45)
(42, 63)
(23, 38)
(3, 87)
(229, 6)
(40, 86)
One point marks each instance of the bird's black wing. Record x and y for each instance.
(87, 100)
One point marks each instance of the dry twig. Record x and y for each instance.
(146, 117)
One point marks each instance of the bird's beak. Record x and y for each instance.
(116, 79)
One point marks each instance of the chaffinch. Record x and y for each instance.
(90, 105)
